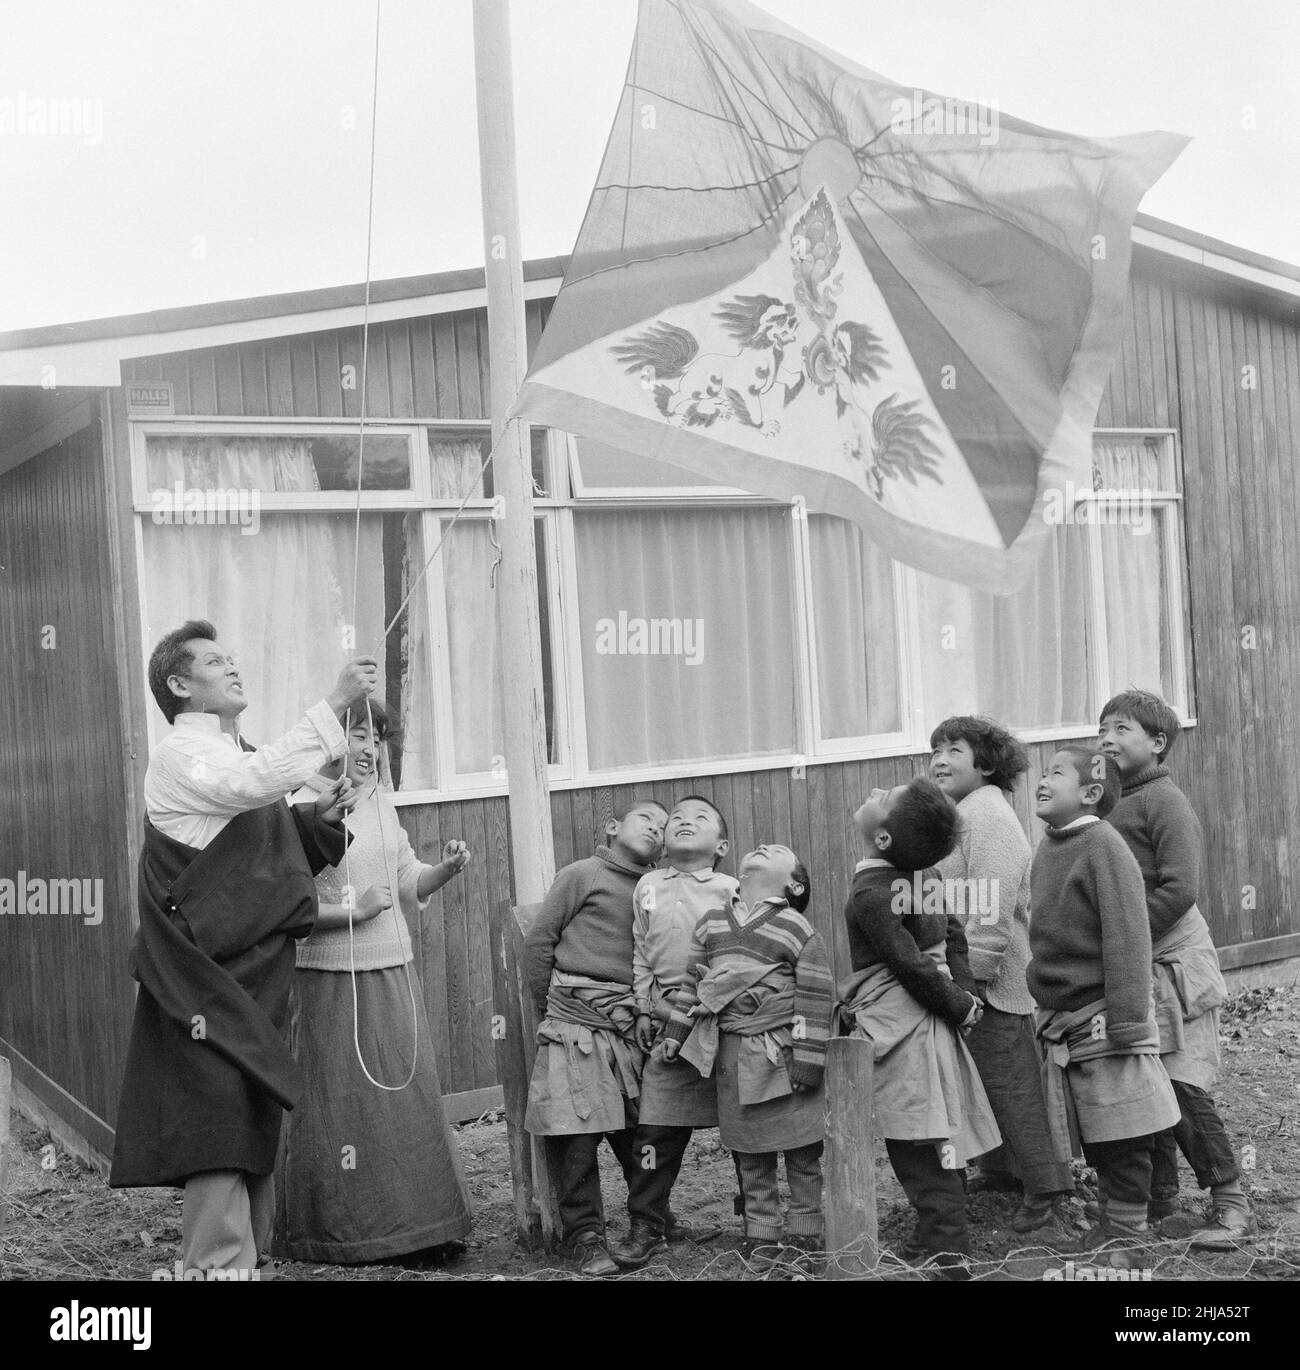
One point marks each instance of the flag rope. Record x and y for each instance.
(349, 894)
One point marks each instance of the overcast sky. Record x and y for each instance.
(225, 142)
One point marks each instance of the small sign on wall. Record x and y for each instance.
(150, 397)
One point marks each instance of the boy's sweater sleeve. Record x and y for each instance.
(814, 995)
(562, 901)
(1176, 849)
(1002, 863)
(1120, 898)
(643, 978)
(915, 971)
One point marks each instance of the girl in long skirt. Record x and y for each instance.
(368, 1168)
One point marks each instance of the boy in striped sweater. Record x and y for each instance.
(756, 1000)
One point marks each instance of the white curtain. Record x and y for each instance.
(724, 575)
(1022, 659)
(280, 598)
(1133, 571)
(856, 631)
(457, 464)
(478, 726)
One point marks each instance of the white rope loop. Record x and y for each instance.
(395, 905)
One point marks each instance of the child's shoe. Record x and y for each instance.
(677, 1231)
(806, 1254)
(1231, 1221)
(1119, 1238)
(1035, 1211)
(592, 1256)
(642, 1242)
(945, 1267)
(760, 1254)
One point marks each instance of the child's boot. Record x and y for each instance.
(807, 1254)
(1118, 1238)
(1231, 1221)
(675, 1230)
(642, 1242)
(589, 1252)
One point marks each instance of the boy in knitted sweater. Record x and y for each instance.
(976, 762)
(756, 999)
(675, 1097)
(1138, 730)
(910, 997)
(1090, 973)
(586, 1078)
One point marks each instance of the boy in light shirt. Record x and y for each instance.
(675, 1098)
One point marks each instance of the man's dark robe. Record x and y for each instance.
(208, 1073)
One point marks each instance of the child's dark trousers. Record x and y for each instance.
(1201, 1136)
(1123, 1167)
(937, 1194)
(650, 1158)
(657, 1156)
(575, 1169)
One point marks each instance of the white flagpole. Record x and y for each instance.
(518, 626)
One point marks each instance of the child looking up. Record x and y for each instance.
(675, 1098)
(976, 762)
(1090, 972)
(909, 996)
(1138, 731)
(756, 1000)
(586, 1078)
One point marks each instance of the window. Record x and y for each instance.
(686, 618)
(1104, 608)
(1137, 538)
(686, 628)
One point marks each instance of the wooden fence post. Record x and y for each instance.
(515, 1034)
(851, 1240)
(6, 1081)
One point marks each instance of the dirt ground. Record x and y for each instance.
(64, 1223)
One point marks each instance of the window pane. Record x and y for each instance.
(1022, 659)
(687, 628)
(277, 465)
(1120, 463)
(856, 631)
(457, 461)
(1135, 569)
(281, 601)
(607, 467)
(468, 553)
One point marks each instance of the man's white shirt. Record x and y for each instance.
(199, 777)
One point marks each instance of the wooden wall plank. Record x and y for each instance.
(423, 370)
(279, 378)
(401, 375)
(67, 996)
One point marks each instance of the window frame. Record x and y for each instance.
(1177, 598)
(555, 508)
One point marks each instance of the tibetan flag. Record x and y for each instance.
(805, 280)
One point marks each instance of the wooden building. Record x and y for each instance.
(787, 668)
